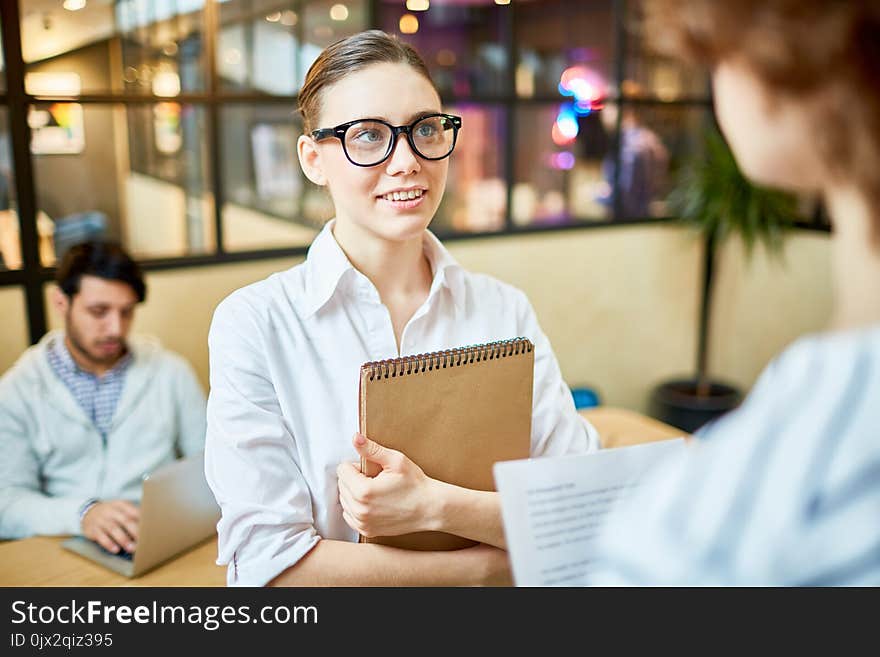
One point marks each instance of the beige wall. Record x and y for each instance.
(762, 304)
(619, 305)
(245, 229)
(180, 303)
(13, 326)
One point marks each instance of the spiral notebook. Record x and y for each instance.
(454, 413)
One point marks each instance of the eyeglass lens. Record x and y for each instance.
(369, 142)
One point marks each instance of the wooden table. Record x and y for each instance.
(619, 427)
(41, 561)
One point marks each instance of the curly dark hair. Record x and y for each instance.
(105, 260)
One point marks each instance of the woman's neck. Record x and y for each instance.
(399, 270)
(855, 254)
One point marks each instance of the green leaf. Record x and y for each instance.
(713, 197)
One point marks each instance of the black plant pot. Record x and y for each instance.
(677, 403)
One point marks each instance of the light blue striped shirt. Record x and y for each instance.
(784, 491)
(96, 395)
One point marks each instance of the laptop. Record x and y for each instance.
(178, 511)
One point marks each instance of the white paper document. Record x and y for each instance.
(552, 508)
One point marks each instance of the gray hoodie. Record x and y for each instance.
(53, 459)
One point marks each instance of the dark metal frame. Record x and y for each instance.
(17, 103)
(33, 276)
(340, 131)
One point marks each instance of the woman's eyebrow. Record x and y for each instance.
(422, 113)
(415, 116)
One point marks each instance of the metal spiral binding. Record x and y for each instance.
(394, 367)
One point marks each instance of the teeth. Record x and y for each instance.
(403, 196)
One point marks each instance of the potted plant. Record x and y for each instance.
(713, 196)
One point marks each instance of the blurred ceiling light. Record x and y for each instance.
(166, 83)
(563, 160)
(74, 5)
(667, 83)
(565, 128)
(289, 18)
(232, 56)
(274, 17)
(525, 80)
(586, 86)
(502, 2)
(418, 5)
(409, 24)
(339, 12)
(52, 84)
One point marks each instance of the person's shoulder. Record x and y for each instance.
(848, 341)
(484, 287)
(814, 377)
(846, 364)
(839, 354)
(256, 299)
(26, 370)
(148, 351)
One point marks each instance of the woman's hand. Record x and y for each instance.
(397, 501)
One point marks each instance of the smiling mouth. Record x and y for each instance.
(408, 195)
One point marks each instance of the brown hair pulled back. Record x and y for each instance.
(347, 56)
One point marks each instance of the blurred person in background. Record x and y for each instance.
(644, 162)
(89, 410)
(785, 490)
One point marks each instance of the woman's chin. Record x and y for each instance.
(401, 225)
(403, 233)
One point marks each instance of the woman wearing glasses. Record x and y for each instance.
(286, 352)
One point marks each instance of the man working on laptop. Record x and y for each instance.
(86, 412)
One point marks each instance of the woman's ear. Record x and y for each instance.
(310, 160)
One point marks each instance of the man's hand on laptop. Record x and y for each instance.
(113, 525)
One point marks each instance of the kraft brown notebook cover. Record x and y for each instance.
(454, 413)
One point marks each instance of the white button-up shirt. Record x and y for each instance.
(285, 358)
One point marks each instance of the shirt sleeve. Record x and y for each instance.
(251, 464)
(557, 427)
(191, 411)
(24, 509)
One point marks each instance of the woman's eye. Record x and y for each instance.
(427, 130)
(368, 136)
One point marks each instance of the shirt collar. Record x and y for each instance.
(62, 354)
(327, 265)
(446, 270)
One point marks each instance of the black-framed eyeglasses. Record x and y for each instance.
(368, 142)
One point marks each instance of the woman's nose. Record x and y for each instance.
(402, 159)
